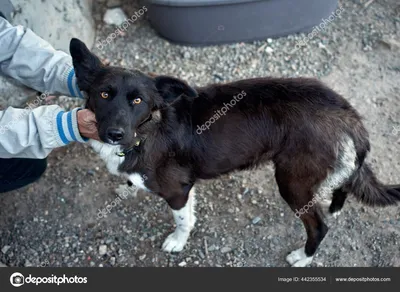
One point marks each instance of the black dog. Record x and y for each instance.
(315, 139)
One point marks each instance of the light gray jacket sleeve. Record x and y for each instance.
(31, 60)
(33, 132)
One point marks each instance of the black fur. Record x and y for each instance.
(296, 123)
(369, 190)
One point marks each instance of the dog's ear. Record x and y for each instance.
(171, 88)
(85, 63)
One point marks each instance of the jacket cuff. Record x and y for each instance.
(69, 78)
(67, 127)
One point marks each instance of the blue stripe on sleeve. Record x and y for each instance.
(70, 128)
(70, 77)
(60, 128)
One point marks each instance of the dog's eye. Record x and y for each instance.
(137, 100)
(104, 94)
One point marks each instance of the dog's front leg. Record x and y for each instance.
(184, 215)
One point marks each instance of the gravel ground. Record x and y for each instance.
(242, 221)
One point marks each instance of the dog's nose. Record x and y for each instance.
(115, 135)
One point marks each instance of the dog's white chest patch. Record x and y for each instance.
(108, 154)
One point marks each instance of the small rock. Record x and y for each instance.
(114, 16)
(269, 50)
(182, 264)
(103, 249)
(142, 257)
(27, 264)
(256, 220)
(226, 249)
(212, 247)
(112, 261)
(391, 44)
(92, 264)
(2, 265)
(269, 40)
(5, 249)
(186, 55)
(219, 77)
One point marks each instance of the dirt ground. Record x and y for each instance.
(242, 221)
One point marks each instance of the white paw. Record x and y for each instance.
(123, 191)
(298, 258)
(303, 263)
(175, 242)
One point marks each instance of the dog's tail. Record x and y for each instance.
(367, 189)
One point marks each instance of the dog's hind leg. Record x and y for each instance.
(338, 199)
(332, 192)
(316, 231)
(334, 206)
(184, 215)
(297, 192)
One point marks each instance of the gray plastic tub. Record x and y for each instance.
(203, 22)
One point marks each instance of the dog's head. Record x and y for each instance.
(123, 100)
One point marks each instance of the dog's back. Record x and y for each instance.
(275, 118)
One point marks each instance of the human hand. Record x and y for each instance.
(87, 124)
